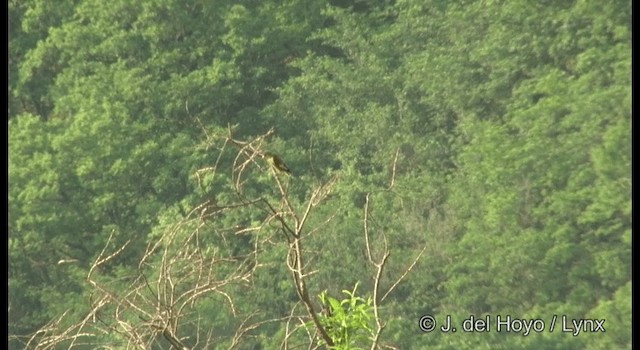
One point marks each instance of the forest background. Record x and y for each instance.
(462, 158)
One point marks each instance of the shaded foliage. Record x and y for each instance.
(489, 138)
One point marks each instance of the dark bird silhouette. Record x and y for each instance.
(277, 162)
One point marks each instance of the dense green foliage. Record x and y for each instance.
(347, 320)
(492, 136)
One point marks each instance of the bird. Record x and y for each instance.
(277, 162)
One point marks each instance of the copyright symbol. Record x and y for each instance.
(427, 323)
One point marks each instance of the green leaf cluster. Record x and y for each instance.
(347, 321)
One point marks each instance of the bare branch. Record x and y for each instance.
(404, 274)
(393, 170)
(178, 270)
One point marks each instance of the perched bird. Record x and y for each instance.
(277, 162)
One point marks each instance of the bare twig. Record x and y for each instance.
(178, 270)
(404, 274)
(393, 170)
